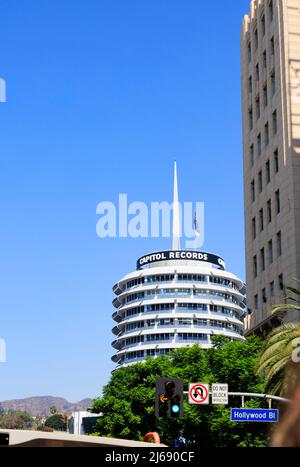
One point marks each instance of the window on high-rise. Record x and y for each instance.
(262, 259)
(260, 181)
(277, 201)
(252, 155)
(261, 220)
(257, 72)
(267, 137)
(268, 172)
(256, 302)
(264, 296)
(273, 83)
(276, 161)
(263, 25)
(265, 59)
(259, 144)
(280, 282)
(253, 191)
(272, 46)
(270, 251)
(269, 211)
(250, 85)
(255, 266)
(256, 39)
(272, 289)
(250, 119)
(249, 52)
(271, 10)
(265, 95)
(253, 228)
(274, 122)
(258, 107)
(279, 245)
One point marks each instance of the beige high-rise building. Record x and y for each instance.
(270, 55)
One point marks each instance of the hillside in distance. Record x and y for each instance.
(40, 406)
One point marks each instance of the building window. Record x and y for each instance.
(253, 228)
(279, 244)
(255, 266)
(265, 59)
(272, 289)
(272, 48)
(258, 107)
(271, 10)
(270, 251)
(263, 25)
(264, 296)
(257, 72)
(265, 92)
(268, 172)
(256, 302)
(269, 211)
(250, 85)
(273, 83)
(262, 259)
(259, 144)
(260, 181)
(277, 201)
(249, 52)
(280, 282)
(253, 191)
(256, 39)
(275, 122)
(261, 220)
(267, 138)
(276, 161)
(252, 155)
(250, 119)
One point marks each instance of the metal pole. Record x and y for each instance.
(258, 395)
(270, 403)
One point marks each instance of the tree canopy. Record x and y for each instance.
(128, 400)
(57, 422)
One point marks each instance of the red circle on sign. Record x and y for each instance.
(196, 389)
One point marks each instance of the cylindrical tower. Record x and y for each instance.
(175, 299)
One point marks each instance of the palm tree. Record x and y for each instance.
(275, 361)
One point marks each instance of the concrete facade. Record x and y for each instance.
(270, 62)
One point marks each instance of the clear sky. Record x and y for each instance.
(102, 96)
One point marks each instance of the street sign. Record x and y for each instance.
(219, 394)
(255, 415)
(198, 394)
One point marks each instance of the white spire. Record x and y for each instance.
(176, 217)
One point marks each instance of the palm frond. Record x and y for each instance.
(284, 307)
(292, 289)
(279, 366)
(281, 331)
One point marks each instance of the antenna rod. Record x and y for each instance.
(176, 216)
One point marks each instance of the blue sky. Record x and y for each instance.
(102, 96)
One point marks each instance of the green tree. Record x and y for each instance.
(128, 400)
(57, 422)
(275, 361)
(53, 409)
(16, 420)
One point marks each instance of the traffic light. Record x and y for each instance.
(169, 397)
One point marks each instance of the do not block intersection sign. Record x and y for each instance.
(219, 394)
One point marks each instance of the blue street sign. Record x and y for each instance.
(255, 415)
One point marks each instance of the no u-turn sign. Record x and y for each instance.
(198, 393)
